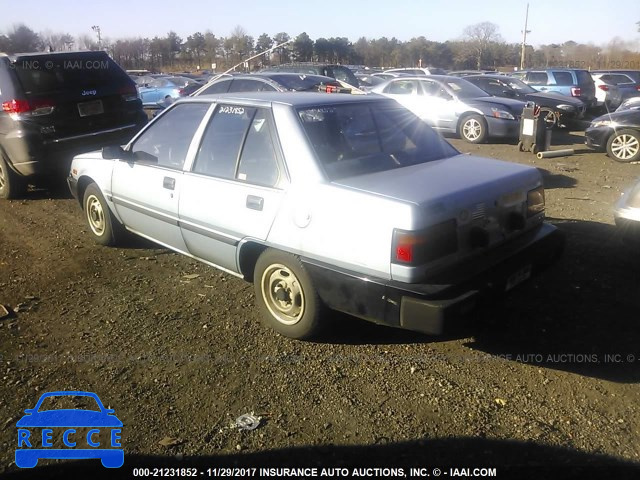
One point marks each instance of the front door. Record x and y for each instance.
(146, 188)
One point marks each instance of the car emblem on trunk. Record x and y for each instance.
(89, 92)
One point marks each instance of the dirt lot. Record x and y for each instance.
(549, 377)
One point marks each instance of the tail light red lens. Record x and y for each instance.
(576, 91)
(36, 107)
(16, 106)
(129, 93)
(604, 87)
(418, 247)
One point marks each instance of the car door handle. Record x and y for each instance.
(255, 203)
(169, 183)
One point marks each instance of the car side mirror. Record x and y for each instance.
(109, 411)
(29, 411)
(114, 152)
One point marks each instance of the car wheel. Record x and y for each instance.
(12, 185)
(104, 228)
(520, 147)
(473, 129)
(286, 296)
(624, 146)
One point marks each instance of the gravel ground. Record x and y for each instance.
(545, 378)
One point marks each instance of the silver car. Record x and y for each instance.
(454, 105)
(323, 202)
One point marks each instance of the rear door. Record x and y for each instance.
(234, 188)
(146, 189)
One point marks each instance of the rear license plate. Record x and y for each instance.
(87, 109)
(517, 278)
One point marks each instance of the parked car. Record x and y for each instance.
(339, 72)
(567, 108)
(346, 202)
(627, 215)
(631, 103)
(634, 75)
(618, 133)
(272, 82)
(567, 81)
(453, 105)
(388, 75)
(626, 82)
(55, 105)
(465, 73)
(368, 80)
(161, 88)
(414, 71)
(608, 95)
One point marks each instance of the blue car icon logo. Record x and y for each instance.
(69, 433)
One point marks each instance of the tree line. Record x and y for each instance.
(479, 47)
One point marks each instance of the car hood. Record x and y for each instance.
(69, 418)
(456, 180)
(629, 118)
(499, 102)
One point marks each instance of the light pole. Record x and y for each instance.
(524, 39)
(96, 28)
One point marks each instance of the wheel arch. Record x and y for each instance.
(248, 253)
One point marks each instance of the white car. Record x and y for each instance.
(608, 95)
(345, 202)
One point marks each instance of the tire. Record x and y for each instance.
(534, 149)
(473, 129)
(12, 185)
(286, 296)
(104, 228)
(624, 146)
(520, 147)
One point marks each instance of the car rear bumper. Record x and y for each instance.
(430, 307)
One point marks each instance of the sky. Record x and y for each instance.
(550, 21)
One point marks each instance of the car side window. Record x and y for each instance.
(430, 88)
(537, 78)
(222, 140)
(245, 85)
(402, 87)
(218, 87)
(563, 78)
(166, 141)
(494, 87)
(258, 162)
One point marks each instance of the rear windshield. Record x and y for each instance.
(584, 77)
(41, 74)
(355, 139)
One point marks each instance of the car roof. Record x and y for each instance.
(294, 99)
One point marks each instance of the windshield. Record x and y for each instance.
(463, 89)
(518, 85)
(351, 140)
(69, 402)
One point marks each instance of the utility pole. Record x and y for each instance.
(96, 28)
(524, 39)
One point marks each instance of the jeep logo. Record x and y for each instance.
(89, 92)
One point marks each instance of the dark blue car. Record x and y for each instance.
(32, 447)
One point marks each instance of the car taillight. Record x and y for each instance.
(16, 106)
(37, 107)
(129, 93)
(638, 88)
(576, 91)
(604, 87)
(418, 247)
(330, 88)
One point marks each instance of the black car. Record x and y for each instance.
(339, 72)
(56, 105)
(568, 108)
(271, 82)
(618, 133)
